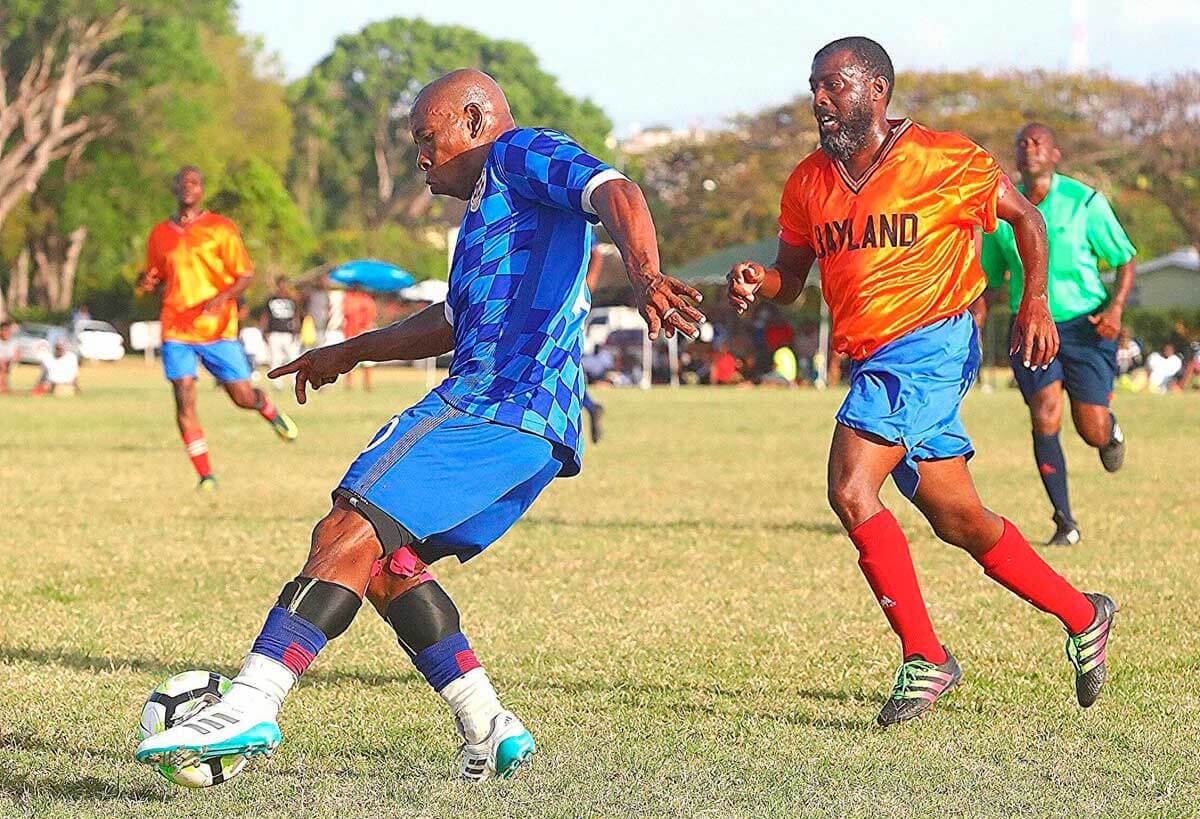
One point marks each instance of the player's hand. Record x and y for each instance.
(1034, 334)
(215, 304)
(744, 280)
(663, 302)
(1108, 322)
(316, 368)
(147, 281)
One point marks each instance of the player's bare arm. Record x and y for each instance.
(782, 282)
(1108, 321)
(426, 334)
(662, 300)
(1034, 333)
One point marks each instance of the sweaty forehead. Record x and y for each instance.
(842, 62)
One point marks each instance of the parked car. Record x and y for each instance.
(98, 340)
(37, 340)
(603, 321)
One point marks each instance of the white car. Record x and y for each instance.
(99, 340)
(602, 321)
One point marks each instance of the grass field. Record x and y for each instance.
(683, 627)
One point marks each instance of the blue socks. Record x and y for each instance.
(289, 639)
(446, 660)
(1052, 466)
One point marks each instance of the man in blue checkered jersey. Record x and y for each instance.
(451, 474)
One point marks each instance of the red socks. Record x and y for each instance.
(887, 564)
(265, 408)
(1014, 564)
(197, 450)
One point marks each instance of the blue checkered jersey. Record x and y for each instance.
(518, 295)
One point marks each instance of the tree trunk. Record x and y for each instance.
(18, 282)
(57, 259)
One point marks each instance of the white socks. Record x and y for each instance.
(260, 686)
(474, 703)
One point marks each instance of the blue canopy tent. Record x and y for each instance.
(379, 277)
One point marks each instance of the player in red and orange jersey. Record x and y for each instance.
(889, 209)
(201, 264)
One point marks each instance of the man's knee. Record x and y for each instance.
(852, 500)
(966, 528)
(1046, 416)
(1093, 428)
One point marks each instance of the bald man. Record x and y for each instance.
(449, 475)
(1082, 231)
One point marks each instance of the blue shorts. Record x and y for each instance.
(455, 481)
(225, 359)
(1086, 364)
(908, 392)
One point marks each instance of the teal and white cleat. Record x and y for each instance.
(214, 731)
(506, 749)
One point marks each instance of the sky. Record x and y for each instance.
(697, 62)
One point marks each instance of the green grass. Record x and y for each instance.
(683, 627)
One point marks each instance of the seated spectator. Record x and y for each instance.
(1129, 353)
(1163, 368)
(725, 368)
(598, 365)
(8, 353)
(60, 372)
(784, 369)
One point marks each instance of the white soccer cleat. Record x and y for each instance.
(505, 749)
(217, 730)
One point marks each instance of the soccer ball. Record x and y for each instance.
(173, 702)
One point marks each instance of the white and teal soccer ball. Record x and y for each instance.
(174, 701)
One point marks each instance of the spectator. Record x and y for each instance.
(79, 314)
(316, 308)
(598, 365)
(283, 325)
(1163, 368)
(783, 369)
(725, 367)
(358, 308)
(1129, 353)
(8, 353)
(60, 372)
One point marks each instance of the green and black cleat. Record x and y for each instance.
(1088, 650)
(919, 684)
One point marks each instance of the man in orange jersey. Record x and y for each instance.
(888, 209)
(199, 260)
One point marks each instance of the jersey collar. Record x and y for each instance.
(856, 185)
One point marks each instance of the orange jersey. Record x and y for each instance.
(896, 248)
(196, 262)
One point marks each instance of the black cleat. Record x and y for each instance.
(1088, 650)
(1112, 454)
(919, 684)
(1066, 532)
(596, 413)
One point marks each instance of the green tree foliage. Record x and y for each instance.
(354, 164)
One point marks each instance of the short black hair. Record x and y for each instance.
(1029, 126)
(869, 54)
(187, 169)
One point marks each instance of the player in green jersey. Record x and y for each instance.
(1082, 231)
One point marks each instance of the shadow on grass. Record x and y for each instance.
(79, 789)
(802, 526)
(725, 703)
(80, 661)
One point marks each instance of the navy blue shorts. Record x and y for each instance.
(908, 392)
(455, 481)
(225, 359)
(1086, 364)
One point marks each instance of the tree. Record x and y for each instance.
(353, 159)
(37, 124)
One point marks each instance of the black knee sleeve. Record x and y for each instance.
(328, 606)
(391, 533)
(422, 616)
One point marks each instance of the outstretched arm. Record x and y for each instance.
(782, 282)
(1034, 333)
(662, 300)
(426, 334)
